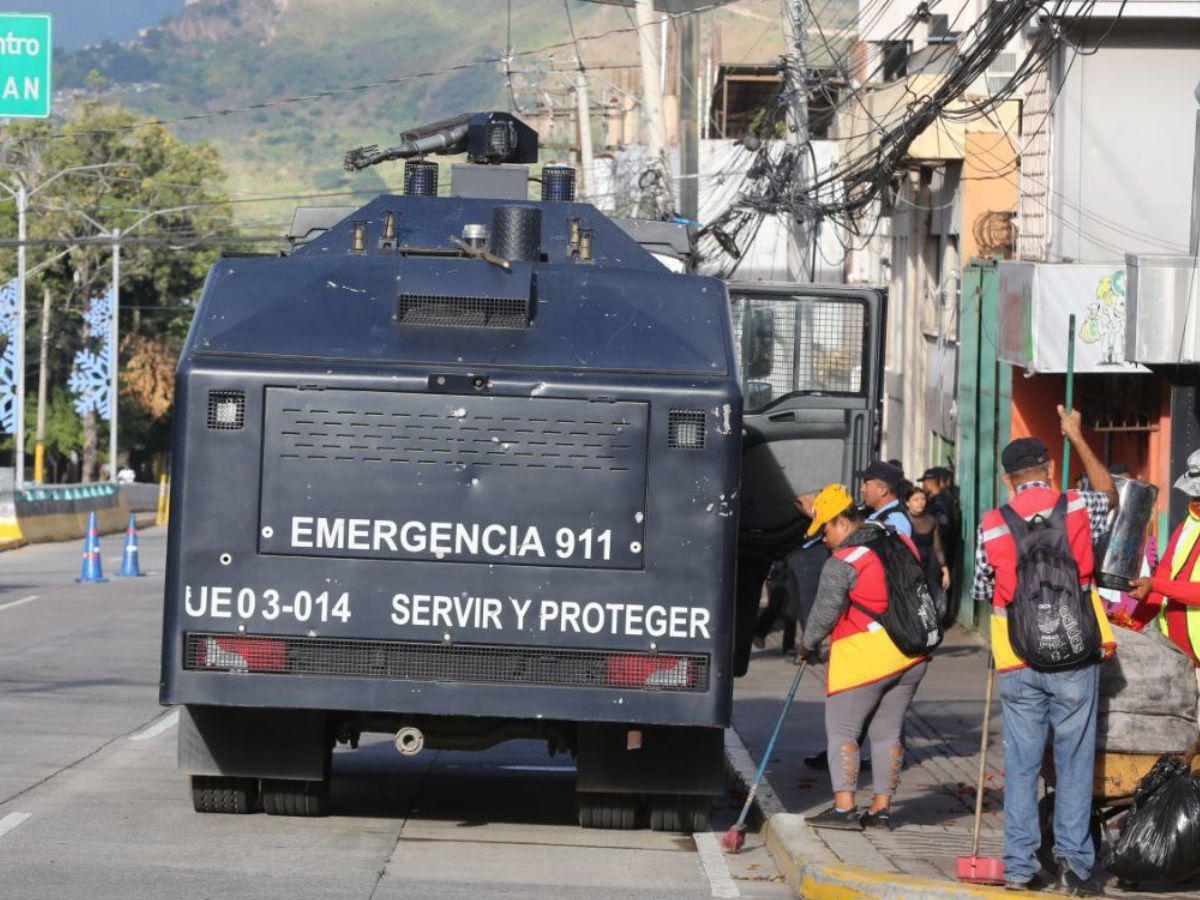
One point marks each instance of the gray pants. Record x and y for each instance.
(880, 707)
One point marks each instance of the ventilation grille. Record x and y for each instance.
(598, 442)
(419, 661)
(463, 312)
(226, 410)
(685, 429)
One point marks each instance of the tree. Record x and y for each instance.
(149, 170)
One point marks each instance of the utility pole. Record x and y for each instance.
(689, 120)
(652, 105)
(586, 163)
(796, 77)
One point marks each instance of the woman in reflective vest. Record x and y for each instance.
(1172, 594)
(869, 682)
(1001, 556)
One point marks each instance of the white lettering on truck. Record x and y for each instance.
(458, 539)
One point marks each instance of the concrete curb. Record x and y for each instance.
(814, 873)
(811, 869)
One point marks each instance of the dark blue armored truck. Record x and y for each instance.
(464, 469)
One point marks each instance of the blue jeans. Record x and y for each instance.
(1036, 704)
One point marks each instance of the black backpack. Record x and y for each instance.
(911, 619)
(1051, 622)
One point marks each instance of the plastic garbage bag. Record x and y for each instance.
(1160, 840)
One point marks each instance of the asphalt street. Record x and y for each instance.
(91, 803)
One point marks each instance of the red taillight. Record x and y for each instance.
(649, 671)
(242, 654)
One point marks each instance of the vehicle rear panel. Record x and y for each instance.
(380, 514)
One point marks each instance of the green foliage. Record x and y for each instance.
(116, 173)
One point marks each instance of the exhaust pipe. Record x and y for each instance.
(410, 740)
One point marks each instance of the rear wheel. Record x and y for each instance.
(608, 810)
(295, 798)
(687, 814)
(220, 794)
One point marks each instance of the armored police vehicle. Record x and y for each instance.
(463, 469)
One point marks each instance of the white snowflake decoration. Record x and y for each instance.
(90, 371)
(98, 315)
(9, 319)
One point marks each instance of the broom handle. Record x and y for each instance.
(762, 766)
(1066, 467)
(983, 748)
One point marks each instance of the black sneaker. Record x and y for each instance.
(881, 819)
(759, 641)
(850, 820)
(1071, 884)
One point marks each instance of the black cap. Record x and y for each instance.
(882, 471)
(935, 473)
(1024, 453)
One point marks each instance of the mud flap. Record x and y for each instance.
(671, 760)
(255, 743)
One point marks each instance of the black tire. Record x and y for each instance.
(220, 794)
(685, 814)
(614, 811)
(295, 798)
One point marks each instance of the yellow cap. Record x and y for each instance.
(832, 501)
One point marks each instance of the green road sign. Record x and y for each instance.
(25, 66)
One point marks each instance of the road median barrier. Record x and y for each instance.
(60, 512)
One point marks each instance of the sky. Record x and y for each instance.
(79, 22)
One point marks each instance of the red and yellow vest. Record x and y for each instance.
(1001, 552)
(860, 651)
(1181, 562)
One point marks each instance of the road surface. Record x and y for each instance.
(91, 803)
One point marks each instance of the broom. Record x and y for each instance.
(976, 869)
(735, 837)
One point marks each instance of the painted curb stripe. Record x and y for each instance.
(715, 868)
(170, 720)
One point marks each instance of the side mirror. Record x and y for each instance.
(760, 354)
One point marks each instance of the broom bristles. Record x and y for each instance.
(733, 839)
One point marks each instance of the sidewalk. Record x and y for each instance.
(935, 803)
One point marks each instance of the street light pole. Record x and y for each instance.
(22, 198)
(21, 194)
(114, 356)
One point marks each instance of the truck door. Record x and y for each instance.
(810, 359)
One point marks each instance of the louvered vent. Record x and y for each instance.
(685, 429)
(226, 410)
(463, 312)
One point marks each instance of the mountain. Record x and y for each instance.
(222, 54)
(78, 23)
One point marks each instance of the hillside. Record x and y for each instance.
(218, 54)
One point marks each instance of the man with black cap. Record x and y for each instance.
(880, 491)
(934, 482)
(1044, 701)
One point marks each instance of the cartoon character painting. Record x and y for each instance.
(1105, 322)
